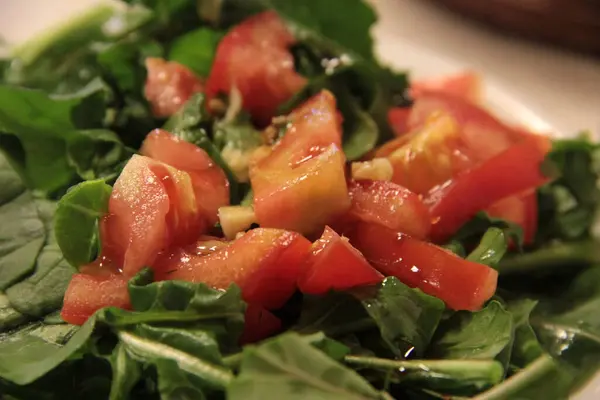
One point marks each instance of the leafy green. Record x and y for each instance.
(293, 369)
(526, 347)
(472, 231)
(76, 220)
(196, 50)
(491, 249)
(50, 140)
(567, 205)
(480, 335)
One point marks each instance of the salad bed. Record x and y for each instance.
(235, 199)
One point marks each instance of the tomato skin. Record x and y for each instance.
(254, 58)
(264, 263)
(390, 205)
(301, 184)
(461, 284)
(259, 324)
(398, 119)
(514, 171)
(89, 292)
(334, 264)
(521, 210)
(466, 85)
(169, 85)
(210, 183)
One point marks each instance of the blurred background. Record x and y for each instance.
(557, 78)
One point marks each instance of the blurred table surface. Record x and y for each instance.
(562, 87)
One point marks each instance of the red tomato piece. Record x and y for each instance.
(301, 184)
(169, 85)
(89, 292)
(259, 324)
(461, 284)
(398, 119)
(335, 265)
(514, 171)
(390, 205)
(254, 57)
(466, 85)
(522, 210)
(210, 183)
(264, 263)
(152, 207)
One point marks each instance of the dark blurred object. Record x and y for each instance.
(571, 23)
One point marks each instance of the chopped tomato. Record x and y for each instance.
(254, 57)
(259, 324)
(448, 136)
(301, 184)
(511, 172)
(335, 265)
(461, 284)
(390, 205)
(210, 183)
(264, 263)
(466, 85)
(90, 291)
(398, 119)
(520, 209)
(169, 85)
(151, 208)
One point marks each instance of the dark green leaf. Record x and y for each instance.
(526, 347)
(470, 233)
(75, 222)
(196, 50)
(480, 335)
(293, 369)
(126, 373)
(9, 317)
(406, 317)
(175, 384)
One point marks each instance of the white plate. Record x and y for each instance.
(18, 23)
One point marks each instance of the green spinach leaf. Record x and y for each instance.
(196, 50)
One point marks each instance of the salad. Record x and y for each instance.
(235, 199)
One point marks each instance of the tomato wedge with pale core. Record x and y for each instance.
(334, 264)
(211, 187)
(466, 85)
(521, 210)
(511, 172)
(461, 284)
(169, 85)
(390, 205)
(254, 58)
(301, 184)
(91, 290)
(264, 263)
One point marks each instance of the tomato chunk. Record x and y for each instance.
(520, 209)
(89, 292)
(301, 184)
(335, 265)
(264, 263)
(254, 57)
(398, 119)
(461, 284)
(466, 85)
(259, 324)
(211, 187)
(390, 205)
(512, 172)
(169, 85)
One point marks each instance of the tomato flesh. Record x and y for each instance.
(334, 264)
(89, 292)
(259, 324)
(211, 187)
(254, 58)
(301, 184)
(461, 284)
(521, 210)
(512, 172)
(264, 263)
(169, 85)
(390, 205)
(465, 85)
